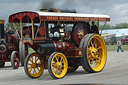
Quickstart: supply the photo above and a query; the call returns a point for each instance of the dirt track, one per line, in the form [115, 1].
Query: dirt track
[115, 72]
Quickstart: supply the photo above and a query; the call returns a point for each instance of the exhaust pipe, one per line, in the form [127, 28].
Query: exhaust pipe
[2, 29]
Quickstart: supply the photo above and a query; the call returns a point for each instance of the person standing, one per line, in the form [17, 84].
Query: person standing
[10, 32]
[119, 45]
[94, 28]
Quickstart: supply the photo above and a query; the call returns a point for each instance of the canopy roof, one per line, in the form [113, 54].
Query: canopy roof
[36, 16]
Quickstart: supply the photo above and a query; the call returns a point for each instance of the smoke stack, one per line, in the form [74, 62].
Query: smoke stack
[58, 10]
[2, 28]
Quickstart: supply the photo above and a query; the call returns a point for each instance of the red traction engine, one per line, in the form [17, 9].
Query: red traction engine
[8, 48]
[61, 42]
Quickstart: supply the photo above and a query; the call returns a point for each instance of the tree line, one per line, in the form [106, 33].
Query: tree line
[117, 26]
[107, 26]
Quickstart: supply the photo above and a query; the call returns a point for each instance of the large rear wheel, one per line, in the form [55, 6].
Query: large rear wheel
[95, 53]
[57, 65]
[33, 65]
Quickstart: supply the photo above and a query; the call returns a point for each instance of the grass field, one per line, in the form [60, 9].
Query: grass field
[114, 47]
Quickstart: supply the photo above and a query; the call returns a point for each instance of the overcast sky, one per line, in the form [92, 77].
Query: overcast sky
[116, 9]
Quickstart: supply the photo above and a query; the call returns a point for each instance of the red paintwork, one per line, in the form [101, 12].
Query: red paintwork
[74, 52]
[42, 31]
[12, 47]
[17, 17]
[4, 48]
[78, 27]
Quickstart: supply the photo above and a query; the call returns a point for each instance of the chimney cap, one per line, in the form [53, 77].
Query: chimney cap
[2, 21]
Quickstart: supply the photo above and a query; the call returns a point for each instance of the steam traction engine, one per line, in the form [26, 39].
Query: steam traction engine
[8, 48]
[61, 42]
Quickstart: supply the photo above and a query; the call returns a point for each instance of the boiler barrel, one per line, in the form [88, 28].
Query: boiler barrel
[2, 28]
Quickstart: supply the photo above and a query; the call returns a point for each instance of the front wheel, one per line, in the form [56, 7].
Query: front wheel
[95, 53]
[15, 60]
[57, 65]
[33, 65]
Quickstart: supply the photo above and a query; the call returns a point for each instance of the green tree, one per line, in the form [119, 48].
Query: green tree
[17, 25]
[107, 26]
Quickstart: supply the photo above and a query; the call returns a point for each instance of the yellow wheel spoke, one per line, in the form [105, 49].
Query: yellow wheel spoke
[56, 59]
[30, 60]
[94, 42]
[38, 69]
[61, 59]
[60, 70]
[30, 69]
[89, 56]
[34, 71]
[37, 59]
[56, 72]
[29, 64]
[99, 48]
[96, 45]
[91, 44]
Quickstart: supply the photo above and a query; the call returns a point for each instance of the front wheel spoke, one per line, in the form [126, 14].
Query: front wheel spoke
[30, 60]
[56, 59]
[34, 72]
[30, 69]
[37, 59]
[89, 56]
[29, 64]
[38, 69]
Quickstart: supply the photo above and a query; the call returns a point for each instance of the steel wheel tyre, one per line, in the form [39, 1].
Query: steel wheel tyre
[95, 53]
[15, 60]
[57, 65]
[33, 65]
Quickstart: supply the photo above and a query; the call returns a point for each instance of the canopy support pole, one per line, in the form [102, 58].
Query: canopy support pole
[98, 25]
[103, 27]
[16, 30]
[32, 30]
[45, 27]
[37, 29]
[21, 30]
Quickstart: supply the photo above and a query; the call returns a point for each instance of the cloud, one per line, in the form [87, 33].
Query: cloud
[116, 9]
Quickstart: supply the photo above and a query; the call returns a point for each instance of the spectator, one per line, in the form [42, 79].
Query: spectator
[119, 45]
[94, 28]
[10, 32]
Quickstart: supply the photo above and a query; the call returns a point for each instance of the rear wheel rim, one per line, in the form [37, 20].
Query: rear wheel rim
[96, 53]
[32, 68]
